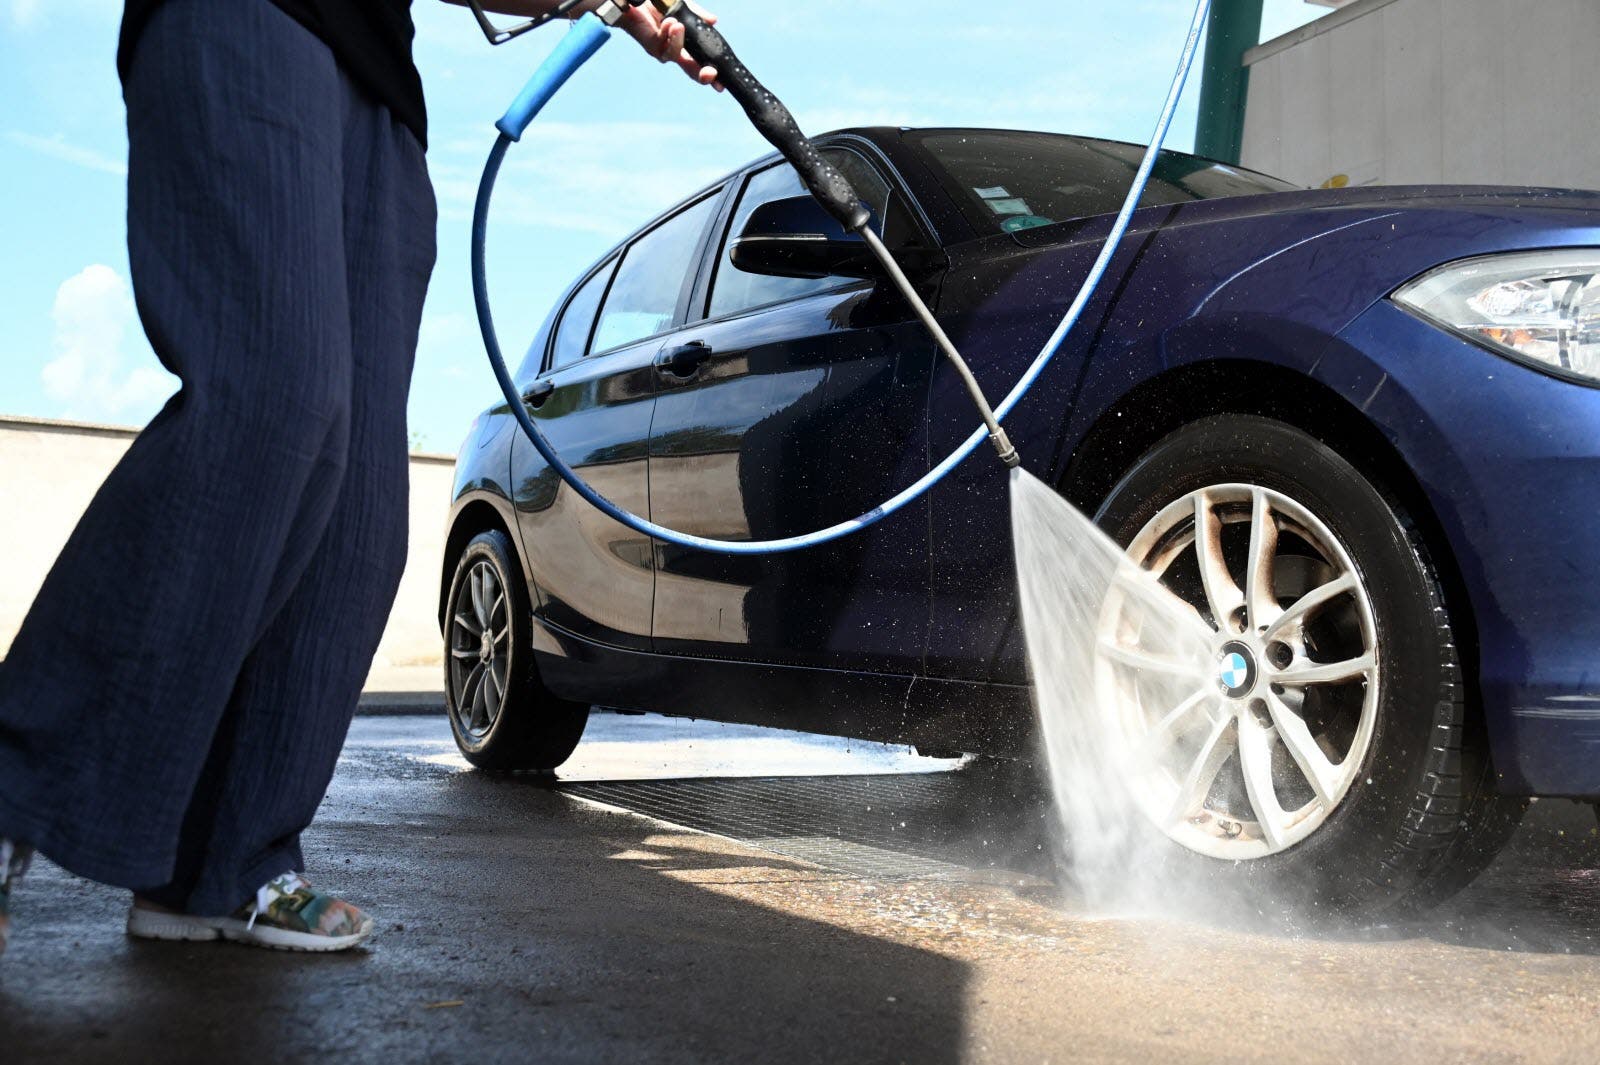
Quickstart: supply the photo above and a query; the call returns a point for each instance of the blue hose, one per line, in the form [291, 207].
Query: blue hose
[580, 44]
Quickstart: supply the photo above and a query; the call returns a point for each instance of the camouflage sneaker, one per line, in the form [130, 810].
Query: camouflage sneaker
[14, 859]
[288, 914]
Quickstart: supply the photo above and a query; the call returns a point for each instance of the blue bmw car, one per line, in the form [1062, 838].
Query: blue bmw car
[1357, 430]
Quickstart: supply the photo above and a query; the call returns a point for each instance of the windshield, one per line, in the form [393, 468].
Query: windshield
[1008, 181]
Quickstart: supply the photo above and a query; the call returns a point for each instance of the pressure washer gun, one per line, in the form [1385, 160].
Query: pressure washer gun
[771, 119]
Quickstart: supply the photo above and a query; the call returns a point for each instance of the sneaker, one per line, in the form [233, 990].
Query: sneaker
[14, 859]
[288, 914]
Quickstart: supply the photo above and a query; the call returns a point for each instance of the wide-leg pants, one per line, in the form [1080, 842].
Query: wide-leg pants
[173, 707]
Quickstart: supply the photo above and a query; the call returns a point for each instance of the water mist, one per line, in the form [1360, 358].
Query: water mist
[1121, 666]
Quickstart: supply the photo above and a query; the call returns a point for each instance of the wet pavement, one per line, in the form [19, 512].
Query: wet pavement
[699, 892]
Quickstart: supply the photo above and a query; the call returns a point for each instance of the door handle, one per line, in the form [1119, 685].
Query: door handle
[538, 392]
[683, 362]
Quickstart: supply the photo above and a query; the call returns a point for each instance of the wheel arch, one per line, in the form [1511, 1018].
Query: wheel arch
[1155, 408]
[475, 515]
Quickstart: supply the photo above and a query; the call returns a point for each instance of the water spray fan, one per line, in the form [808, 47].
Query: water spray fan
[832, 190]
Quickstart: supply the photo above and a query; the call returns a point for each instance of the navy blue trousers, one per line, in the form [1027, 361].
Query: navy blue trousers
[172, 708]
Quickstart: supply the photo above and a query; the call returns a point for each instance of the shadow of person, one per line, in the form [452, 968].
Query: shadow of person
[515, 924]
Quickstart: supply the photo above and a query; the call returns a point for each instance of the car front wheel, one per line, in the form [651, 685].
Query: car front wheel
[1333, 751]
[501, 714]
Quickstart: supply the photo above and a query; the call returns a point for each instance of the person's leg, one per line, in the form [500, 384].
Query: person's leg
[294, 699]
[114, 689]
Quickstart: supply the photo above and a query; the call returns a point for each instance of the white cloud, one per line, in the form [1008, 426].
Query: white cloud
[451, 383]
[603, 178]
[23, 12]
[93, 314]
[32, 14]
[446, 341]
[58, 147]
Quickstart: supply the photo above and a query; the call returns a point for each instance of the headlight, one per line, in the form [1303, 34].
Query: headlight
[1540, 307]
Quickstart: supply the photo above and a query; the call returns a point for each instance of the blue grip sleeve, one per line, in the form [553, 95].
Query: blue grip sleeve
[581, 42]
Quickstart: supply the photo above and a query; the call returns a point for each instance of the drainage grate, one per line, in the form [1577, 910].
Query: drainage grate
[928, 826]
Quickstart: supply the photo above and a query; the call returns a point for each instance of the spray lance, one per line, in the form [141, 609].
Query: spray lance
[707, 46]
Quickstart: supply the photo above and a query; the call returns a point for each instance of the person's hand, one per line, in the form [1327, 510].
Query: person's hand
[663, 38]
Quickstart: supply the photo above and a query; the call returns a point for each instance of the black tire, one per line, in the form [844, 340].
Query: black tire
[1422, 817]
[526, 727]
[1486, 824]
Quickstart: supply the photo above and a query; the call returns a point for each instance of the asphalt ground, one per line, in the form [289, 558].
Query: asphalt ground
[699, 892]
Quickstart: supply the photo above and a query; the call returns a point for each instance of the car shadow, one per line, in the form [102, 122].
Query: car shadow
[1541, 895]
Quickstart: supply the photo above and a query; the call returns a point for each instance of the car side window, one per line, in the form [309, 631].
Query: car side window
[733, 289]
[577, 319]
[644, 297]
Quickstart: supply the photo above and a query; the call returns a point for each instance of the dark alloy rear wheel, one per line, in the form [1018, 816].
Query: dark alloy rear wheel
[1334, 761]
[502, 715]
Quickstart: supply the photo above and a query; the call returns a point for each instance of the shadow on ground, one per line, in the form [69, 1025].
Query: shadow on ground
[847, 905]
[1541, 895]
[516, 925]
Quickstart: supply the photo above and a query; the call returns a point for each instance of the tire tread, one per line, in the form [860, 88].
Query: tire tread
[1456, 822]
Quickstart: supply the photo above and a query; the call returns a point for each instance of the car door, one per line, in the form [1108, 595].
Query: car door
[803, 405]
[593, 400]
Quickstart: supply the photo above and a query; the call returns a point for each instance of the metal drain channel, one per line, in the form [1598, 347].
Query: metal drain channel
[889, 827]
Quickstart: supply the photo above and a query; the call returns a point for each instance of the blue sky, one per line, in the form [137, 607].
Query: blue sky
[625, 140]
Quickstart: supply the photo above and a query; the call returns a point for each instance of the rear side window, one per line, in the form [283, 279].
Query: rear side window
[644, 297]
[734, 290]
[577, 321]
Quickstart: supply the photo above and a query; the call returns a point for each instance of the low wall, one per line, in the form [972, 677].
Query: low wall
[49, 472]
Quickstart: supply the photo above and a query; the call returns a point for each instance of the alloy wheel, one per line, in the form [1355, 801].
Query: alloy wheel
[1250, 753]
[480, 650]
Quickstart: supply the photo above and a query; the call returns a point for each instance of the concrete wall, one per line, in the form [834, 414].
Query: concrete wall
[49, 471]
[1426, 91]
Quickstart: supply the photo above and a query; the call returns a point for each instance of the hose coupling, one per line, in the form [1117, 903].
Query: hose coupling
[1002, 444]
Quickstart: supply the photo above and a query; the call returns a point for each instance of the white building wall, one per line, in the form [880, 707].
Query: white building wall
[49, 471]
[1397, 92]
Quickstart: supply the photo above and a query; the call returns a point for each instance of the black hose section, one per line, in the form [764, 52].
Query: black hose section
[771, 118]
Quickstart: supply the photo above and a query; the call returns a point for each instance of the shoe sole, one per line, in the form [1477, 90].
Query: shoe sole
[184, 928]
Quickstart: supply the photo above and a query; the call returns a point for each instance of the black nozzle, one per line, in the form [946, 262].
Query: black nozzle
[771, 119]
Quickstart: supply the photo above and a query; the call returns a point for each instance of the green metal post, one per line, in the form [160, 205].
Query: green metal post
[1232, 29]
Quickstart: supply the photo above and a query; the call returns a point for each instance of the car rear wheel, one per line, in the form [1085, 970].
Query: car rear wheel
[1332, 753]
[501, 714]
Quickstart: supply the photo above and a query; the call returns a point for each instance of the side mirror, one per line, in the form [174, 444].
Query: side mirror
[797, 238]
